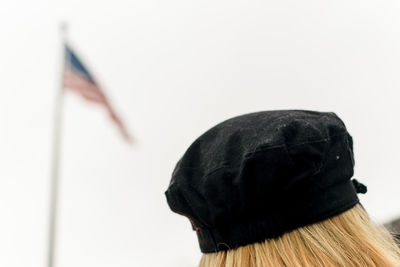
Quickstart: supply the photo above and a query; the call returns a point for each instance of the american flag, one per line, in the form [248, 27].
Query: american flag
[78, 79]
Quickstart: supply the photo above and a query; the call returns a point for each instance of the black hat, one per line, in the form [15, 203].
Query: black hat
[259, 175]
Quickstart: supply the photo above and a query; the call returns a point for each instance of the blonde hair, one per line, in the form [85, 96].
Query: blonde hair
[349, 239]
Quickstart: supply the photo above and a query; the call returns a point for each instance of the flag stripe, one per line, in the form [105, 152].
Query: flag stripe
[78, 79]
[84, 87]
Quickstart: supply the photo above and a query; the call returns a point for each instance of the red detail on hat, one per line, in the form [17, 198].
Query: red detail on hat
[195, 228]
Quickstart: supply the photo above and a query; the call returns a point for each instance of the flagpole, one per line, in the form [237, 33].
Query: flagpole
[55, 160]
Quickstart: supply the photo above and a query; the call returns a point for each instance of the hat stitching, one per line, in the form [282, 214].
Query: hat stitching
[266, 147]
[263, 148]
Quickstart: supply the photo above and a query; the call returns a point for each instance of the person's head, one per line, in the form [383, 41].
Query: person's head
[274, 188]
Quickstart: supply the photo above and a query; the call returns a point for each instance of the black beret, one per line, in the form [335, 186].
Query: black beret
[259, 175]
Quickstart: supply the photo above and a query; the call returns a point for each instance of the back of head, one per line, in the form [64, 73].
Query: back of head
[275, 188]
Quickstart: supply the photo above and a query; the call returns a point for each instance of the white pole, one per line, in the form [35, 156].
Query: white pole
[54, 183]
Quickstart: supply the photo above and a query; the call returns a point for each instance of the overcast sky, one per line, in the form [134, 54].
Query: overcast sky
[172, 70]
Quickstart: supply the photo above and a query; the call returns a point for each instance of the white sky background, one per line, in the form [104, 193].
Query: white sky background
[173, 69]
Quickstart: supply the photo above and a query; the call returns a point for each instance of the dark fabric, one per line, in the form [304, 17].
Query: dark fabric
[259, 175]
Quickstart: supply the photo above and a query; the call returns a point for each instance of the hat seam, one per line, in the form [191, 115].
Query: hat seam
[263, 149]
